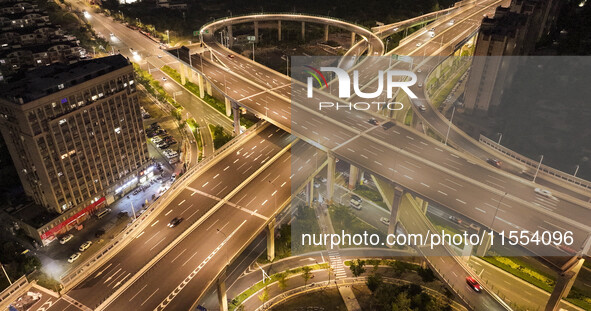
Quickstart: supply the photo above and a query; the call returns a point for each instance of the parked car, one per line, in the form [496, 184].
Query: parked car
[473, 284]
[385, 221]
[454, 219]
[373, 121]
[74, 257]
[66, 238]
[85, 246]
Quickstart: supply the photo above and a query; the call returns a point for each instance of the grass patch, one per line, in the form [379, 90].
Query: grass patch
[371, 194]
[326, 299]
[408, 117]
[43, 279]
[220, 137]
[153, 87]
[194, 127]
[344, 220]
[522, 270]
[274, 278]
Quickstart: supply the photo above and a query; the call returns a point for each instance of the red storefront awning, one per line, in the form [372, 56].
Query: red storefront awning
[60, 226]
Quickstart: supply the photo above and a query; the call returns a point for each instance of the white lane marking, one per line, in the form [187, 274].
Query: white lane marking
[150, 296]
[154, 223]
[183, 201]
[168, 213]
[138, 292]
[455, 156]
[480, 210]
[463, 202]
[424, 184]
[139, 235]
[441, 192]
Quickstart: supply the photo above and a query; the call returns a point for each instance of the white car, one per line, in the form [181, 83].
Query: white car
[419, 44]
[422, 107]
[156, 139]
[385, 221]
[85, 246]
[420, 84]
[544, 192]
[66, 238]
[73, 258]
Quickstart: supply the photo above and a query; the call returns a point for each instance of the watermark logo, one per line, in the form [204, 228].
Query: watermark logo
[344, 82]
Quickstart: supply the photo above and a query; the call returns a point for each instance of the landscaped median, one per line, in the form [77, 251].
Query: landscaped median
[277, 277]
[210, 100]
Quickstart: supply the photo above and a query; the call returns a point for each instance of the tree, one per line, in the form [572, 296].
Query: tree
[357, 267]
[374, 282]
[401, 303]
[282, 281]
[426, 275]
[306, 274]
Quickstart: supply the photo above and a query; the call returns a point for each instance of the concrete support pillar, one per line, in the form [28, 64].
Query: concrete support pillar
[303, 31]
[564, 283]
[423, 204]
[330, 176]
[236, 112]
[256, 32]
[222, 294]
[279, 30]
[230, 36]
[201, 86]
[189, 73]
[325, 33]
[352, 38]
[467, 252]
[398, 193]
[228, 107]
[183, 77]
[353, 177]
[484, 246]
[271, 240]
[208, 88]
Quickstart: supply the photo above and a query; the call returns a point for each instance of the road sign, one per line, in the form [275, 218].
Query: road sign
[196, 33]
[251, 38]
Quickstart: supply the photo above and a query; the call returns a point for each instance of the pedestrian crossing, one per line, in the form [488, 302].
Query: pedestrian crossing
[336, 262]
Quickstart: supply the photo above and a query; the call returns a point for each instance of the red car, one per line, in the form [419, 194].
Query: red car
[231, 55]
[494, 162]
[472, 283]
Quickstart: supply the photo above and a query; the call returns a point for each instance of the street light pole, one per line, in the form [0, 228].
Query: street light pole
[253, 51]
[500, 137]
[538, 169]
[576, 171]
[450, 122]
[6, 274]
[168, 37]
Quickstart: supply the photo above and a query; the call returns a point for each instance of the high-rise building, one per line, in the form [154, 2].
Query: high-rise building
[75, 134]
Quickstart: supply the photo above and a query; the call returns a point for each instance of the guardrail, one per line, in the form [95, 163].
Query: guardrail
[92, 263]
[280, 13]
[10, 293]
[534, 164]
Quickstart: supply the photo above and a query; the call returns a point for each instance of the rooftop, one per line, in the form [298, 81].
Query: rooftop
[43, 81]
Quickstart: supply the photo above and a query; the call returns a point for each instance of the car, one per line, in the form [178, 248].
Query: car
[432, 34]
[494, 162]
[146, 116]
[388, 125]
[432, 29]
[173, 177]
[154, 125]
[112, 34]
[162, 145]
[171, 155]
[419, 44]
[373, 121]
[385, 221]
[159, 56]
[544, 192]
[85, 246]
[66, 238]
[355, 202]
[420, 84]
[422, 107]
[419, 70]
[231, 55]
[452, 21]
[73, 257]
[175, 222]
[455, 219]
[163, 78]
[473, 284]
[156, 139]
